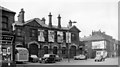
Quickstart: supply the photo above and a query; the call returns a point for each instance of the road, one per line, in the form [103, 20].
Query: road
[108, 61]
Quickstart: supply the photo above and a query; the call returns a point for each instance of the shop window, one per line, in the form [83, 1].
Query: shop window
[5, 23]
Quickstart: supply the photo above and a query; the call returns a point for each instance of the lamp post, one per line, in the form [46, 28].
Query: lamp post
[69, 41]
[68, 46]
[13, 48]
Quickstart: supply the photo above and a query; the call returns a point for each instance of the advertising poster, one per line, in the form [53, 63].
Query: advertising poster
[51, 36]
[41, 35]
[68, 37]
[99, 45]
[59, 36]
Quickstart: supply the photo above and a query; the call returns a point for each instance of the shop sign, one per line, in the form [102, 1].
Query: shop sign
[7, 37]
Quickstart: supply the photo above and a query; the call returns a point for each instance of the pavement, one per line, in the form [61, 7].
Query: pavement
[108, 61]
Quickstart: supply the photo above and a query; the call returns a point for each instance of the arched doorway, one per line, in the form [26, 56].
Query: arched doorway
[72, 51]
[33, 49]
[45, 49]
[81, 50]
[63, 50]
[55, 50]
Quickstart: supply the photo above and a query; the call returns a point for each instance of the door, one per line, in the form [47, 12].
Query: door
[33, 49]
[72, 51]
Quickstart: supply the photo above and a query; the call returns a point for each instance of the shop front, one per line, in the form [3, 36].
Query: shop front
[6, 50]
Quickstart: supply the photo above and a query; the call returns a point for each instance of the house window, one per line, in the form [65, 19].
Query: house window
[19, 32]
[33, 32]
[4, 22]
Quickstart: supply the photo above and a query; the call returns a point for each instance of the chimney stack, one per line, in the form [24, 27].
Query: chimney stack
[43, 19]
[50, 20]
[59, 21]
[21, 16]
[70, 23]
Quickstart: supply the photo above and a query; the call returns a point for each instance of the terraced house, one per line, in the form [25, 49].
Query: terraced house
[41, 38]
[98, 42]
[6, 35]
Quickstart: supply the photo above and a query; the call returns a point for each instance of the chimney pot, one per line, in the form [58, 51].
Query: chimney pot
[59, 21]
[21, 16]
[70, 23]
[50, 19]
[43, 19]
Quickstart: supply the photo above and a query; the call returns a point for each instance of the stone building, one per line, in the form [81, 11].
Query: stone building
[41, 38]
[6, 35]
[100, 41]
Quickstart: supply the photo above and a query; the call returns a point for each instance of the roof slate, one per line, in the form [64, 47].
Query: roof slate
[42, 24]
[5, 9]
[92, 38]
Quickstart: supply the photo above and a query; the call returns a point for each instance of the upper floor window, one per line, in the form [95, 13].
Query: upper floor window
[19, 32]
[4, 22]
[33, 32]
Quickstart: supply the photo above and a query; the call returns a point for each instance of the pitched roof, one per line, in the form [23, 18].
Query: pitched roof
[75, 28]
[5, 9]
[42, 24]
[92, 38]
[38, 20]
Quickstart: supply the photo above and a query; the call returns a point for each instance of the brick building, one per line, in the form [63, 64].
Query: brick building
[99, 41]
[6, 35]
[41, 38]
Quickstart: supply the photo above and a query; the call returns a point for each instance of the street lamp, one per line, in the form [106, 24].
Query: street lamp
[67, 44]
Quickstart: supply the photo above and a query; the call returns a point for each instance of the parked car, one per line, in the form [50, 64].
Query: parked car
[33, 58]
[80, 57]
[57, 58]
[99, 58]
[47, 58]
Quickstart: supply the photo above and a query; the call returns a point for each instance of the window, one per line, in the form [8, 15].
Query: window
[33, 32]
[4, 22]
[19, 32]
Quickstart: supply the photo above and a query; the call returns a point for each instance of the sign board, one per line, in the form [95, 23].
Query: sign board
[99, 45]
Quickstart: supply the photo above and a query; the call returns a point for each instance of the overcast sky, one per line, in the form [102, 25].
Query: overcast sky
[89, 14]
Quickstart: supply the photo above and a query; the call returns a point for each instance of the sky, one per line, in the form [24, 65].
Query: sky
[90, 15]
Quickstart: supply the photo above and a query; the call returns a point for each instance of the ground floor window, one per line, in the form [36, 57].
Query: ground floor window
[45, 49]
[55, 50]
[33, 49]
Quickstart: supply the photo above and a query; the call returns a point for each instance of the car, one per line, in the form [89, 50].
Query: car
[33, 58]
[57, 58]
[80, 57]
[99, 58]
[47, 58]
